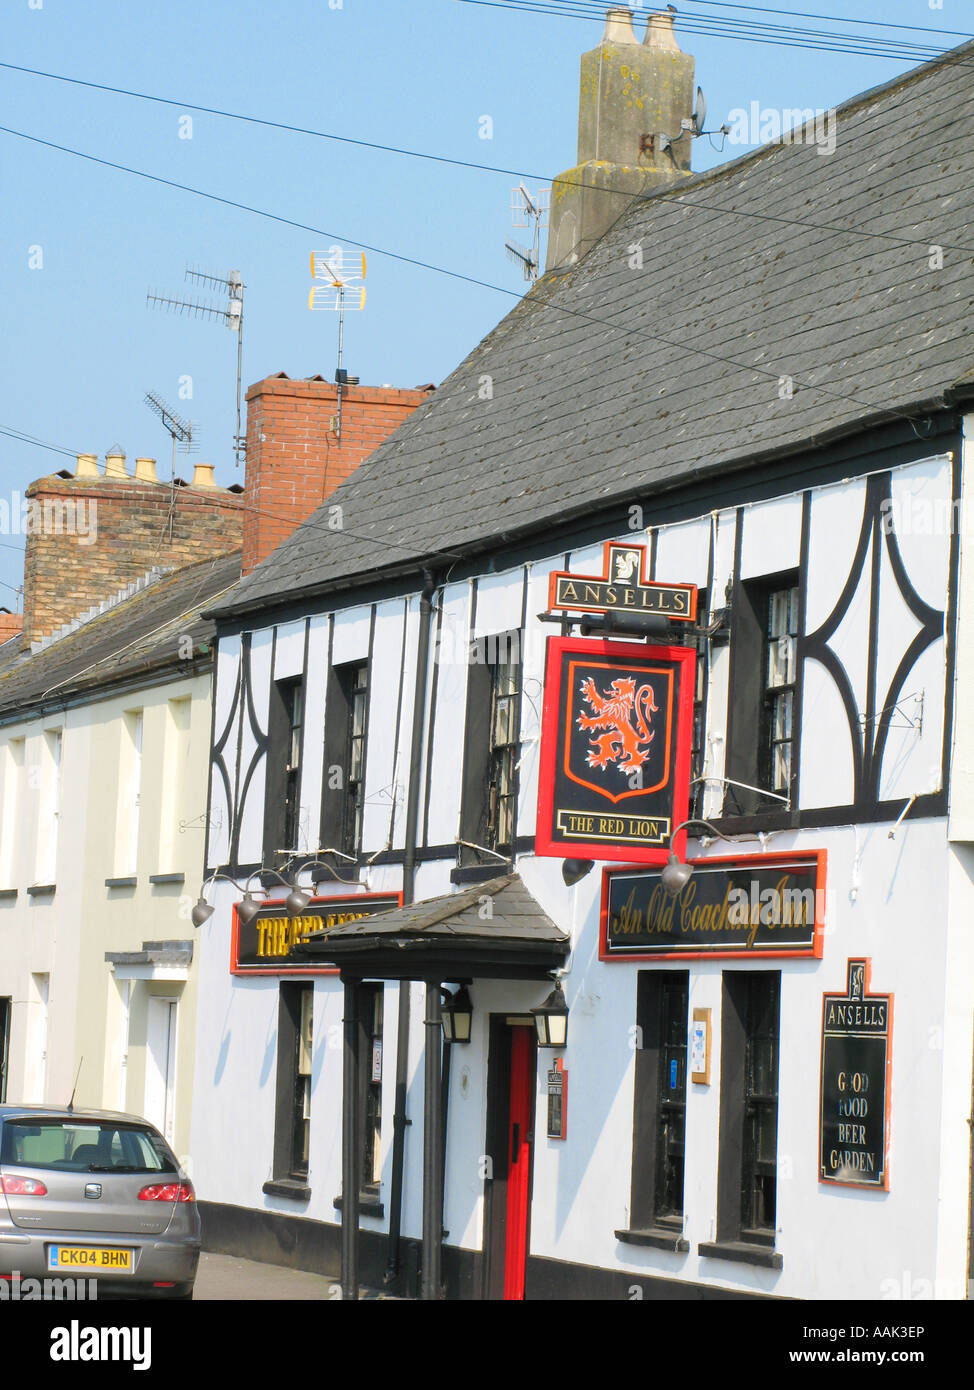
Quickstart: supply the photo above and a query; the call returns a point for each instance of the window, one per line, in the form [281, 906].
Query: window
[292, 1129]
[370, 1007]
[5, 1011]
[491, 748]
[779, 688]
[50, 809]
[758, 1169]
[659, 1117]
[761, 735]
[747, 1168]
[175, 807]
[129, 793]
[294, 709]
[346, 739]
[698, 746]
[282, 806]
[13, 786]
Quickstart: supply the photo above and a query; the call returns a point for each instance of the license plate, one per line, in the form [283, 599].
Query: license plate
[89, 1257]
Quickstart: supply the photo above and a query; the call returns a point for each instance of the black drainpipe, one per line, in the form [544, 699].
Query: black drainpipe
[400, 1120]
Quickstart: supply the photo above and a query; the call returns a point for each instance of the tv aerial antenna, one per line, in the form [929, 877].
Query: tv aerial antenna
[528, 211]
[338, 277]
[230, 314]
[182, 432]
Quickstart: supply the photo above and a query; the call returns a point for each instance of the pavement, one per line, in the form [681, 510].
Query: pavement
[227, 1278]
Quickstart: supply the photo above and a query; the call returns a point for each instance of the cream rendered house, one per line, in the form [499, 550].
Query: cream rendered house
[104, 732]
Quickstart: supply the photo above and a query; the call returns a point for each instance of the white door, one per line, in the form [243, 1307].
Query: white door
[160, 1065]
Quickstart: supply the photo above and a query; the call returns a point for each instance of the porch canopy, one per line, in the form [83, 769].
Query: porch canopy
[492, 930]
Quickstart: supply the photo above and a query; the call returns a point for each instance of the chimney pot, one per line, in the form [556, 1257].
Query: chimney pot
[659, 32]
[203, 475]
[115, 466]
[145, 470]
[618, 26]
[87, 466]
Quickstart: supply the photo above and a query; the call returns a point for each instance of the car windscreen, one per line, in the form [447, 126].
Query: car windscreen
[83, 1146]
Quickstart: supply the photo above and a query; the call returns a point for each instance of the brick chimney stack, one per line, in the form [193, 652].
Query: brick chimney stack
[294, 459]
[633, 100]
[91, 534]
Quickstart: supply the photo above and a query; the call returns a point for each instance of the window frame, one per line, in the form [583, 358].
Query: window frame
[736, 1162]
[490, 766]
[343, 807]
[748, 718]
[283, 780]
[294, 1084]
[653, 1220]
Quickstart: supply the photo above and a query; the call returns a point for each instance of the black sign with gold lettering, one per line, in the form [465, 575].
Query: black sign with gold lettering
[622, 587]
[855, 1090]
[765, 905]
[615, 749]
[266, 945]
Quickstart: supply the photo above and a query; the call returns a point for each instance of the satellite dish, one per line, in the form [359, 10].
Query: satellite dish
[699, 113]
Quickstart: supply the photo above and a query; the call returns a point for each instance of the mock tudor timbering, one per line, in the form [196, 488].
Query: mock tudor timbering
[380, 691]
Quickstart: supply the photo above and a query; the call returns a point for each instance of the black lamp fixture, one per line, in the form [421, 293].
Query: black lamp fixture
[202, 911]
[574, 870]
[678, 873]
[456, 1016]
[551, 1019]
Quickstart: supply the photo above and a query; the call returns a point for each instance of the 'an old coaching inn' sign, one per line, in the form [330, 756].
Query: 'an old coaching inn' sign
[267, 945]
[622, 587]
[765, 905]
[614, 770]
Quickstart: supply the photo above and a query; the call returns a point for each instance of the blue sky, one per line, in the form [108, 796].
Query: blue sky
[79, 347]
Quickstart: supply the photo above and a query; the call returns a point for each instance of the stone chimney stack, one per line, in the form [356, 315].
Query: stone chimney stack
[633, 100]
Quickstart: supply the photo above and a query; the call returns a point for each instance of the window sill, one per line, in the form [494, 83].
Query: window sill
[167, 878]
[368, 1205]
[741, 1253]
[42, 890]
[126, 881]
[287, 1187]
[658, 1237]
[8, 895]
[481, 873]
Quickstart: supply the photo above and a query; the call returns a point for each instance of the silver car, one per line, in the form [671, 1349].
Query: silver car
[90, 1194]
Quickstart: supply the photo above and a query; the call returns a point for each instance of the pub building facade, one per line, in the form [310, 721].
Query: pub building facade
[627, 700]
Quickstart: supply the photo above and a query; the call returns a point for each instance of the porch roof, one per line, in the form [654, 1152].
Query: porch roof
[495, 929]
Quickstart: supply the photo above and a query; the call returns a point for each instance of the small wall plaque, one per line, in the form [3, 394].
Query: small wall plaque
[700, 1047]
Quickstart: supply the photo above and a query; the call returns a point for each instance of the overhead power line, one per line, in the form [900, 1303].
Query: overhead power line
[536, 298]
[750, 31]
[677, 198]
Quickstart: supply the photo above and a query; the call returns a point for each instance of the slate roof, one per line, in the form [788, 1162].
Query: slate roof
[610, 383]
[451, 932]
[514, 914]
[134, 638]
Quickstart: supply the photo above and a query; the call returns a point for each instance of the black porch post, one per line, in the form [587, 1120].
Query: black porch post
[432, 1148]
[350, 1145]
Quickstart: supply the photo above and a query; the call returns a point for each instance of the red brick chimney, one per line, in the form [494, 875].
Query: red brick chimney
[10, 624]
[294, 456]
[91, 534]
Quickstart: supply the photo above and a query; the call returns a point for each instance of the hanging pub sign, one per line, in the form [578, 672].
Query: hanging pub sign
[855, 1088]
[267, 944]
[622, 587]
[614, 773]
[761, 905]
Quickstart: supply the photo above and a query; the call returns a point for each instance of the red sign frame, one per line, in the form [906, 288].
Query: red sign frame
[818, 857]
[554, 759]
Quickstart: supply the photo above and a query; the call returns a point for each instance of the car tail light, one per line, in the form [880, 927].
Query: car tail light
[168, 1192]
[22, 1187]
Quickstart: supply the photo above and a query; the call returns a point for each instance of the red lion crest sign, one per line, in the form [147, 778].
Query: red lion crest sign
[615, 749]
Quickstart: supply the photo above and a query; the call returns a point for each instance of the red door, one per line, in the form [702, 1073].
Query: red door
[519, 1140]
